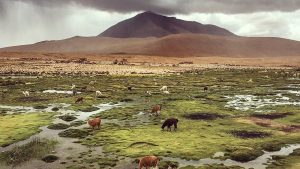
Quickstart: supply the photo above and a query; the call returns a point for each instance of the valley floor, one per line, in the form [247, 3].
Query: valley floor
[58, 63]
[248, 118]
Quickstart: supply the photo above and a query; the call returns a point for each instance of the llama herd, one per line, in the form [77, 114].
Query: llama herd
[147, 161]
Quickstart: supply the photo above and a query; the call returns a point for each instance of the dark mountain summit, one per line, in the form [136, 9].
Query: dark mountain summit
[149, 24]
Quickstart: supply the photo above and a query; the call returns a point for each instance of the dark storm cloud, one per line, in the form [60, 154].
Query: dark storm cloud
[179, 6]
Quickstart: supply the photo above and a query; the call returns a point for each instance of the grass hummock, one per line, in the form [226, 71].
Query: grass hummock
[35, 149]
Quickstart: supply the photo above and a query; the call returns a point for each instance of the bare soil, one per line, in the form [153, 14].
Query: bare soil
[76, 63]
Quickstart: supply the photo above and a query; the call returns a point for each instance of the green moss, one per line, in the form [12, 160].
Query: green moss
[245, 155]
[201, 138]
[18, 127]
[67, 117]
[89, 109]
[273, 146]
[167, 164]
[77, 123]
[39, 107]
[195, 138]
[58, 126]
[74, 133]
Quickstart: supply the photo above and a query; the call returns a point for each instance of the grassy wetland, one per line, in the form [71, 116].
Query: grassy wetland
[246, 118]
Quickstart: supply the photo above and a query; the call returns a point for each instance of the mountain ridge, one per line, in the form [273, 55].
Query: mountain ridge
[149, 24]
[179, 45]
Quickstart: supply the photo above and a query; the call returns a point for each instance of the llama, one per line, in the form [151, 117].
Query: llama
[26, 93]
[205, 88]
[98, 93]
[164, 88]
[79, 100]
[156, 110]
[166, 92]
[170, 122]
[95, 122]
[73, 86]
[92, 82]
[149, 93]
[149, 161]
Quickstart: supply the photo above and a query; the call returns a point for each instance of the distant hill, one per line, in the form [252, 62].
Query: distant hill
[173, 45]
[149, 24]
[152, 34]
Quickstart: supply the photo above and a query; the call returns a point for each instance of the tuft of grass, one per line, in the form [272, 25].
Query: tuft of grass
[67, 117]
[35, 149]
[58, 126]
[88, 109]
[245, 155]
[39, 107]
[74, 133]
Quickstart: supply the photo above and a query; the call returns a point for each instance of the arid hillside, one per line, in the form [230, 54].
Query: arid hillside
[180, 45]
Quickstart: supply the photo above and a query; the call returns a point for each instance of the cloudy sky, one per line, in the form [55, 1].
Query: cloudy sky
[30, 21]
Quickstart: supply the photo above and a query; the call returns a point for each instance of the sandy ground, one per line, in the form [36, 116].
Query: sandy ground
[59, 63]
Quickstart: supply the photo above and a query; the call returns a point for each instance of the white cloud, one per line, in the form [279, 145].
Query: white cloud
[270, 24]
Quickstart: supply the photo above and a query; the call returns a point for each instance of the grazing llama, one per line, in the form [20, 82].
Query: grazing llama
[166, 92]
[95, 122]
[205, 88]
[79, 100]
[170, 122]
[73, 86]
[149, 161]
[26, 93]
[156, 110]
[164, 88]
[149, 93]
[98, 93]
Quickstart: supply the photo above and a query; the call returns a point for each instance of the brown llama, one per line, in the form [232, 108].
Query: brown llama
[156, 110]
[79, 100]
[95, 122]
[148, 161]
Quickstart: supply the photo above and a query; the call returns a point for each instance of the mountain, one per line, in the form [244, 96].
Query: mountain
[149, 24]
[152, 34]
[181, 45]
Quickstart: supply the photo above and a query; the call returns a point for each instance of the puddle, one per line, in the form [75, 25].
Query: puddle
[102, 107]
[294, 86]
[27, 109]
[59, 92]
[251, 102]
[291, 89]
[259, 163]
[267, 85]
[297, 93]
